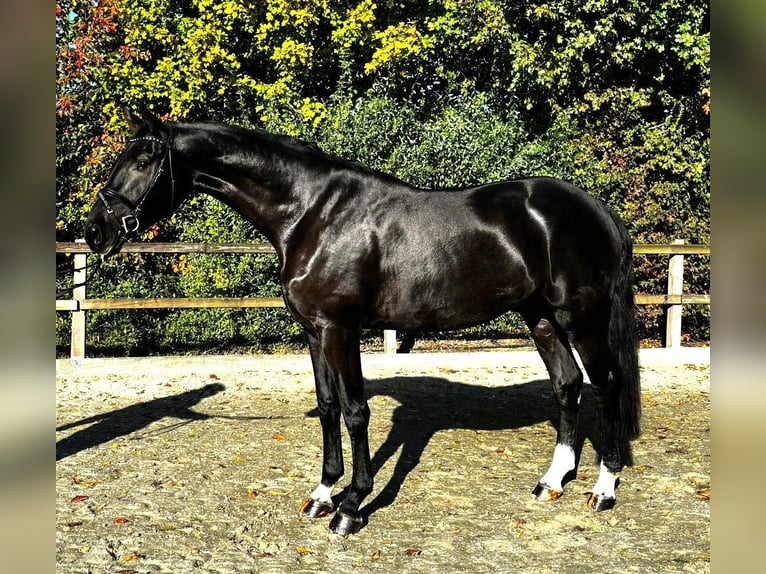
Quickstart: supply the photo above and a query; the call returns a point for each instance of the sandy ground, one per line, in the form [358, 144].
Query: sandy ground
[200, 464]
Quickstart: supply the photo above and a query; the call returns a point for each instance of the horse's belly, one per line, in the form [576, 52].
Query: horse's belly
[430, 299]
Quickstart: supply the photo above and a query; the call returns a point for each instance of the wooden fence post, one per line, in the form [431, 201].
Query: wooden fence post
[675, 287]
[77, 349]
[389, 342]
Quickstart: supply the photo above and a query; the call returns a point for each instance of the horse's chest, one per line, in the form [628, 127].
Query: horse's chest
[330, 282]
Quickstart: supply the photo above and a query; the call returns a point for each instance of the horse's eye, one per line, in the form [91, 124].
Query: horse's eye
[142, 164]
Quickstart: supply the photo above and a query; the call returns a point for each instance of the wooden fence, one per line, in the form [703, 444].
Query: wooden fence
[79, 304]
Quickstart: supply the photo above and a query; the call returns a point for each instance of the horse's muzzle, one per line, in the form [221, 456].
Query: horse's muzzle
[100, 241]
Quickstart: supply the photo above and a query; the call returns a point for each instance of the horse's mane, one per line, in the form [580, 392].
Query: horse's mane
[292, 146]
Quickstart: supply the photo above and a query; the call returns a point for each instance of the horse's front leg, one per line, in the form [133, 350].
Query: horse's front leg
[339, 350]
[320, 502]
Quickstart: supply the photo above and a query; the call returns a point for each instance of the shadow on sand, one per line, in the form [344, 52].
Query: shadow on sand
[107, 426]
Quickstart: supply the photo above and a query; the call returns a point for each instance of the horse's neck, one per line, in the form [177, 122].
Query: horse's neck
[259, 184]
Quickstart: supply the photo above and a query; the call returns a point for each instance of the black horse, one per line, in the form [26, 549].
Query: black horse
[361, 249]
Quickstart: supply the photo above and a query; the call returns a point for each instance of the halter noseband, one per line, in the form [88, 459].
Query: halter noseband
[130, 222]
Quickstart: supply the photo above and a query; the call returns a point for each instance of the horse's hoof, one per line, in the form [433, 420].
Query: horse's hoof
[543, 492]
[315, 508]
[344, 524]
[599, 502]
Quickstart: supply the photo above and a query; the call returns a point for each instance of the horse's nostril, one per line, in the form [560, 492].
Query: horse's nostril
[93, 235]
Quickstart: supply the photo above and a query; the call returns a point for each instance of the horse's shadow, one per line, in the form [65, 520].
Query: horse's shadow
[428, 405]
[107, 426]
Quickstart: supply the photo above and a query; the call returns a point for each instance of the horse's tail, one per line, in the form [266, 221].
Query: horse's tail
[623, 338]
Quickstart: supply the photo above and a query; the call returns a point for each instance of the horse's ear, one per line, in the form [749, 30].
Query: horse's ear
[144, 118]
[134, 121]
[154, 123]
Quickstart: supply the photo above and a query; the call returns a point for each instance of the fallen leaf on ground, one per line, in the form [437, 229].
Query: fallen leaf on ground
[304, 550]
[413, 552]
[703, 494]
[80, 498]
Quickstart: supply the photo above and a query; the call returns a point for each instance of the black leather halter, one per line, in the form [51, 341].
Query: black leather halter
[131, 222]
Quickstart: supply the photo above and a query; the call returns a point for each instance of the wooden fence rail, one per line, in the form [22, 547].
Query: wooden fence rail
[673, 299]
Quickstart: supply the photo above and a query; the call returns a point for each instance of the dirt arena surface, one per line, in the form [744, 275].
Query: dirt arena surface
[200, 464]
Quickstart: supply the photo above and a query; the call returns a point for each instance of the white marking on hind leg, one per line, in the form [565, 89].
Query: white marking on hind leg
[606, 483]
[563, 463]
[323, 493]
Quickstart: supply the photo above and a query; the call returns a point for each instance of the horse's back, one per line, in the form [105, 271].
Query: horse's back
[449, 259]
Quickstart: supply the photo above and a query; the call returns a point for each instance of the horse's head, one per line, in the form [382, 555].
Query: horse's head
[140, 190]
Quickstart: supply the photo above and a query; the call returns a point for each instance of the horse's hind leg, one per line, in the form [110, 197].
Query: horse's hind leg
[553, 346]
[615, 448]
